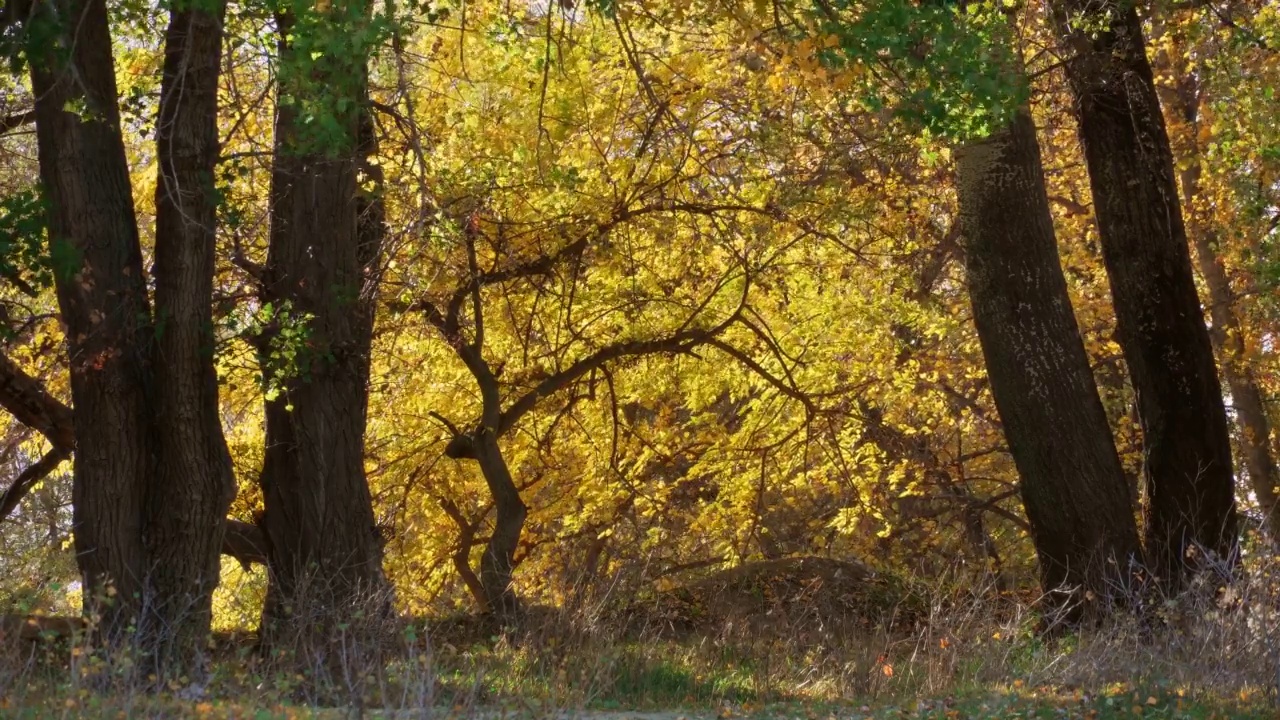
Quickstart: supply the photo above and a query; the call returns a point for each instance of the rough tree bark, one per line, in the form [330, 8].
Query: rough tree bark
[151, 479]
[1072, 483]
[193, 485]
[93, 237]
[1190, 500]
[325, 238]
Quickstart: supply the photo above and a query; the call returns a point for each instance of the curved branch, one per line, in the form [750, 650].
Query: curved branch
[28, 478]
[538, 267]
[680, 342]
[462, 553]
[31, 404]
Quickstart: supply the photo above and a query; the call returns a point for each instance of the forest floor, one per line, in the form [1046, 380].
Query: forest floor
[664, 680]
[1116, 702]
[1047, 704]
[794, 645]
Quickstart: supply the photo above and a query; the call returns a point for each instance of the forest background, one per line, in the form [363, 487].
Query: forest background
[503, 305]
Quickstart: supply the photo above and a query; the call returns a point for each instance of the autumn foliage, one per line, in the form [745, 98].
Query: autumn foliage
[482, 306]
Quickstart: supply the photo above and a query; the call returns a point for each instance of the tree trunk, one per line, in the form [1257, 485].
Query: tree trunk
[499, 554]
[152, 474]
[1072, 483]
[325, 550]
[93, 238]
[1190, 501]
[194, 484]
[24, 397]
[1228, 335]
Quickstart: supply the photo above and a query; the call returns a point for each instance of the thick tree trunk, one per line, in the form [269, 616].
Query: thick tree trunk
[152, 474]
[1190, 501]
[194, 484]
[1246, 395]
[93, 238]
[1072, 483]
[325, 550]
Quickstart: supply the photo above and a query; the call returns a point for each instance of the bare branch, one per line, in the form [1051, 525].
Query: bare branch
[1072, 207]
[477, 304]
[680, 342]
[9, 123]
[254, 270]
[435, 318]
[28, 478]
[453, 429]
[541, 266]
[245, 542]
[545, 264]
[26, 398]
[755, 367]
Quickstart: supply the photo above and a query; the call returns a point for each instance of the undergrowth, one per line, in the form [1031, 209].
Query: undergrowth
[965, 654]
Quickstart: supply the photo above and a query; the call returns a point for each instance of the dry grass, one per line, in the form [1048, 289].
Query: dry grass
[963, 649]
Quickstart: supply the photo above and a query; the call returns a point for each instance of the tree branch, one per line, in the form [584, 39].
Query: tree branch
[28, 478]
[26, 398]
[541, 266]
[1072, 207]
[244, 542]
[682, 341]
[9, 123]
[755, 367]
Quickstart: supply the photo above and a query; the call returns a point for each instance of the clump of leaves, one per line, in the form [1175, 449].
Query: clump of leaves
[951, 69]
[23, 259]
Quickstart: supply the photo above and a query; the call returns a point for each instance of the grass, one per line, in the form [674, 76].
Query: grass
[974, 656]
[694, 679]
[1005, 704]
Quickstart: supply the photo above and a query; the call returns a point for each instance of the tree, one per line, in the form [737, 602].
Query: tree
[1227, 332]
[478, 440]
[152, 475]
[193, 484]
[103, 299]
[1191, 135]
[1187, 471]
[1072, 485]
[967, 83]
[320, 276]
